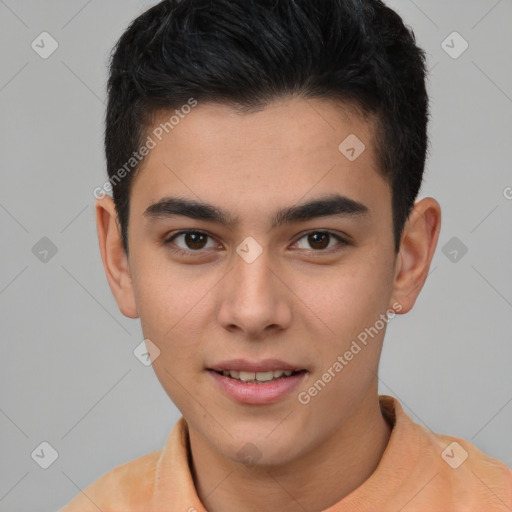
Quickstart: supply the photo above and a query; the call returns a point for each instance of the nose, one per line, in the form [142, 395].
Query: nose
[254, 300]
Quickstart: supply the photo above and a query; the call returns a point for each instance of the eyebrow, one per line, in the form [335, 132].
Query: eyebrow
[332, 205]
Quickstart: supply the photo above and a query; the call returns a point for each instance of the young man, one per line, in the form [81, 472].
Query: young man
[265, 157]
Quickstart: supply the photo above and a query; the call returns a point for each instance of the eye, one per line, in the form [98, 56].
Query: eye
[192, 242]
[320, 241]
[189, 241]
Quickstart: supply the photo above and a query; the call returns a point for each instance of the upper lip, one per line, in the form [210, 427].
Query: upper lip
[264, 365]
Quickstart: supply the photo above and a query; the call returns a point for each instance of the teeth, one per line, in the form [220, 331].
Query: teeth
[245, 376]
[256, 376]
[264, 376]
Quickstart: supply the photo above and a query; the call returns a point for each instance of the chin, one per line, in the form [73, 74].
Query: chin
[261, 450]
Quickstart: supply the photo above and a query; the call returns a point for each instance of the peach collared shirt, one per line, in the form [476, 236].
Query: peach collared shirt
[419, 472]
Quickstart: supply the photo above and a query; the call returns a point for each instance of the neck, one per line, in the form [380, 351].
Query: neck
[316, 481]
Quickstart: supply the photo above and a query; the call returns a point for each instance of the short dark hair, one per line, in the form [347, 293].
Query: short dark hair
[246, 53]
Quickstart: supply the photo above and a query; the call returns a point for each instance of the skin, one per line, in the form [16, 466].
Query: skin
[294, 302]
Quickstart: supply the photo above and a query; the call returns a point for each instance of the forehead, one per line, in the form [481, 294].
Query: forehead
[290, 149]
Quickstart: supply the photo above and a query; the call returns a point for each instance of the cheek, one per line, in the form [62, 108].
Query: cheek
[164, 292]
[174, 305]
[167, 305]
[347, 299]
[350, 332]
[163, 300]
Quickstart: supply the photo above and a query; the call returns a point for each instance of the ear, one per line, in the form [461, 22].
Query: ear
[419, 241]
[115, 260]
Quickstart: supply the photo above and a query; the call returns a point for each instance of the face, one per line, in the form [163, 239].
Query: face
[259, 282]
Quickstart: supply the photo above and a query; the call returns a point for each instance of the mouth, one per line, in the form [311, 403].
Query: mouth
[257, 382]
[258, 377]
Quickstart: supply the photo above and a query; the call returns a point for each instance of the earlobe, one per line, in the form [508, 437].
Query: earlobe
[115, 260]
[418, 244]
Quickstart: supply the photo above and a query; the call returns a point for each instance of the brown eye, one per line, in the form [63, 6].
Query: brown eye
[191, 241]
[319, 241]
[195, 240]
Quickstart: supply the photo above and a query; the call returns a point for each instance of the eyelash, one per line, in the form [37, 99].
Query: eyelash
[191, 253]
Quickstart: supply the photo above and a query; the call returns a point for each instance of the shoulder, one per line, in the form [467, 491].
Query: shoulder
[458, 452]
[470, 474]
[459, 475]
[127, 485]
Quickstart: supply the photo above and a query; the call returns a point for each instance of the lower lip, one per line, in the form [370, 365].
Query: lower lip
[264, 393]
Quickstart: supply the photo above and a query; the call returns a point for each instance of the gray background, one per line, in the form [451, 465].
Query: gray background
[68, 373]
